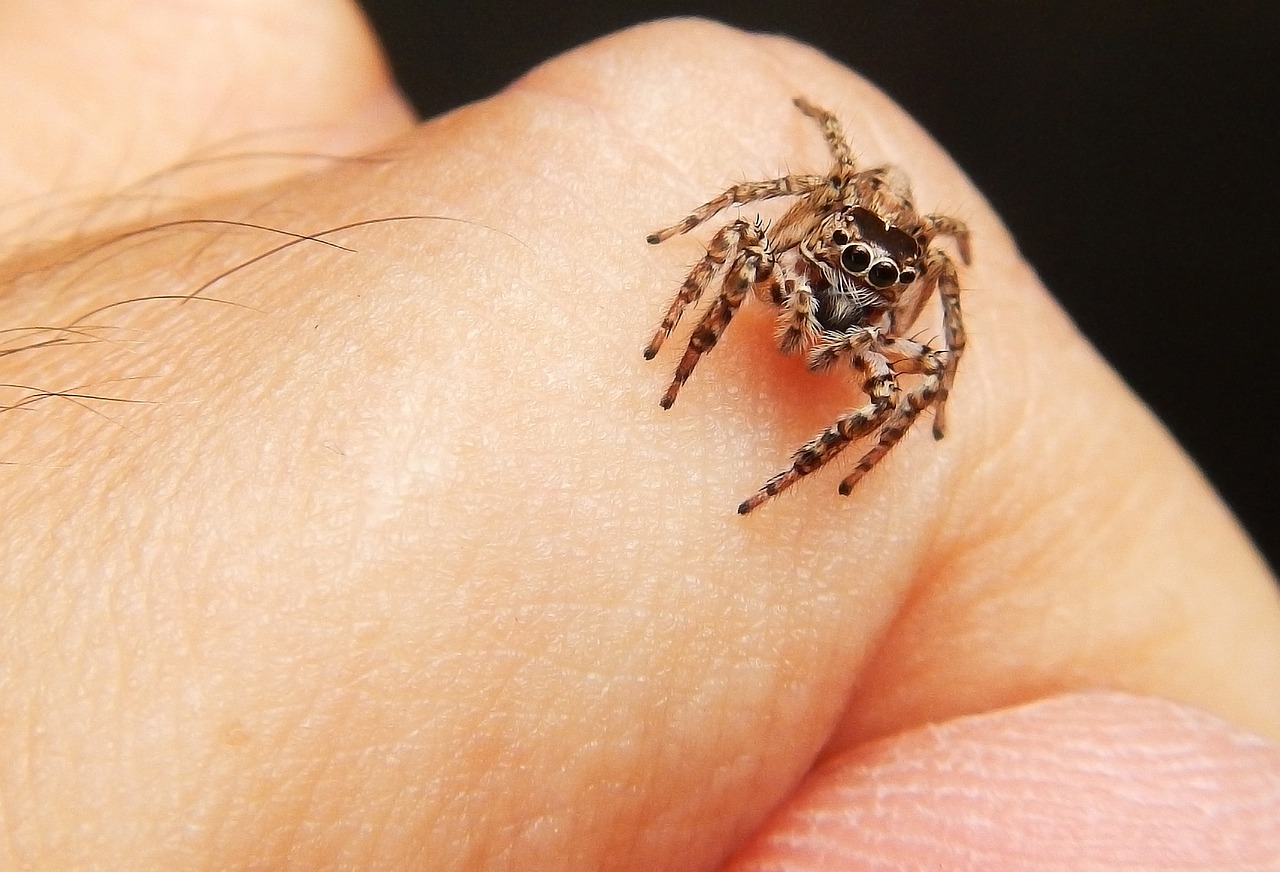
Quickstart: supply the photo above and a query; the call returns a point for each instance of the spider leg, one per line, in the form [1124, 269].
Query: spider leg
[904, 412]
[952, 335]
[753, 267]
[882, 392]
[906, 311]
[848, 344]
[911, 356]
[940, 275]
[910, 302]
[948, 226]
[721, 245]
[831, 131]
[746, 192]
[797, 321]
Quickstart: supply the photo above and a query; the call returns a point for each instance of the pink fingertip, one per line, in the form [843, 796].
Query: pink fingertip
[1087, 782]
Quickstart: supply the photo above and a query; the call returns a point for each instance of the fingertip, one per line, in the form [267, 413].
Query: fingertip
[1096, 781]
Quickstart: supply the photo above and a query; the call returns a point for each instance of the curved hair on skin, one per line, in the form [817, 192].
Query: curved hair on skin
[66, 265]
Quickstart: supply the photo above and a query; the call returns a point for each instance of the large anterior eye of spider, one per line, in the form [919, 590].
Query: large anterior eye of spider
[883, 274]
[856, 258]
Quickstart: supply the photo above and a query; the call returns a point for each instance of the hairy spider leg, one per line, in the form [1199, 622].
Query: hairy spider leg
[831, 346]
[696, 282]
[752, 268]
[953, 335]
[746, 192]
[831, 131]
[881, 392]
[906, 310]
[797, 319]
[945, 225]
[901, 417]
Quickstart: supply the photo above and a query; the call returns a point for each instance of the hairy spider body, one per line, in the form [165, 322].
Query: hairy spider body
[849, 267]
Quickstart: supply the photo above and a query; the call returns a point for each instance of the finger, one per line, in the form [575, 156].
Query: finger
[406, 548]
[1057, 539]
[102, 96]
[1101, 782]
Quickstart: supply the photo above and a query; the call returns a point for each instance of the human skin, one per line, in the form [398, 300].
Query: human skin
[388, 558]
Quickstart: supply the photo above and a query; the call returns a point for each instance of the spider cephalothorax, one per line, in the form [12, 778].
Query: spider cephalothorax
[857, 262]
[849, 267]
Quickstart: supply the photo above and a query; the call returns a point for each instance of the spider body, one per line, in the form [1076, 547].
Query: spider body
[849, 268]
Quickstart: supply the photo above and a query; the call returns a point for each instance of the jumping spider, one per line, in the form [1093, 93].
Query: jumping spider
[849, 267]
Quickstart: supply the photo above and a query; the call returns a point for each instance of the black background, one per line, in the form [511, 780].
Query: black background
[1130, 150]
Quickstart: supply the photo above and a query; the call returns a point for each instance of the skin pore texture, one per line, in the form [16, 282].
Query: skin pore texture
[381, 554]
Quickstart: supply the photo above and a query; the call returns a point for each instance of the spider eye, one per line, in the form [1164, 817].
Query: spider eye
[883, 274]
[839, 237]
[856, 258]
[907, 276]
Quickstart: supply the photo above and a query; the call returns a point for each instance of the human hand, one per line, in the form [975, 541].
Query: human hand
[391, 559]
